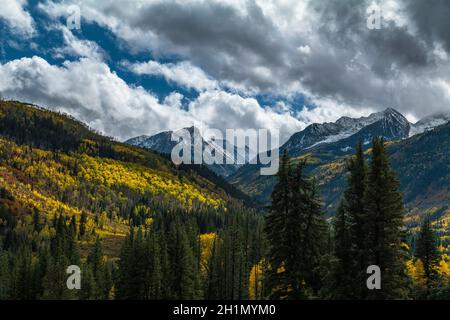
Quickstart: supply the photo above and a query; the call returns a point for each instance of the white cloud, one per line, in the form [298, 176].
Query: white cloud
[328, 110]
[182, 73]
[317, 48]
[280, 47]
[223, 110]
[16, 16]
[174, 100]
[306, 50]
[90, 91]
[77, 47]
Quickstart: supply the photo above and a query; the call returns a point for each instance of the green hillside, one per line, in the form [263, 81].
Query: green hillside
[142, 228]
[69, 195]
[421, 161]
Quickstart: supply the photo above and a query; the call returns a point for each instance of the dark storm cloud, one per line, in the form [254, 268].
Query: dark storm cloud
[322, 49]
[358, 66]
[396, 45]
[344, 61]
[432, 18]
[219, 38]
[232, 46]
[343, 25]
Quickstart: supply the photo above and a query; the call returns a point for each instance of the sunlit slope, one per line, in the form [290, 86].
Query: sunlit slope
[55, 165]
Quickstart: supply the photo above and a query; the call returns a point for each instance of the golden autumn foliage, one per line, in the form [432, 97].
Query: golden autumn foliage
[416, 272]
[330, 170]
[206, 246]
[42, 168]
[255, 282]
[69, 183]
[444, 268]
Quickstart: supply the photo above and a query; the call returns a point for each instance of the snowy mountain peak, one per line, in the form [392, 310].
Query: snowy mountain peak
[393, 115]
[429, 123]
[316, 134]
[137, 140]
[162, 142]
[388, 123]
[391, 111]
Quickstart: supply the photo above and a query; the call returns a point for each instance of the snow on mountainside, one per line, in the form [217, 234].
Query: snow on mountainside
[429, 123]
[422, 163]
[326, 133]
[162, 142]
[391, 126]
[340, 136]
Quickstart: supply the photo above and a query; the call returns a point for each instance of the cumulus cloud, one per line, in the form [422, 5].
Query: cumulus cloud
[182, 73]
[18, 19]
[225, 110]
[321, 49]
[90, 91]
[232, 41]
[74, 46]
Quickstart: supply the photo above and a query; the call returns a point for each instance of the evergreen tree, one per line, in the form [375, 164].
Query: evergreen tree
[101, 275]
[351, 233]
[23, 272]
[314, 239]
[384, 220]
[83, 221]
[154, 274]
[40, 271]
[296, 232]
[304, 236]
[183, 271]
[214, 281]
[342, 273]
[89, 290]
[427, 252]
[54, 282]
[276, 221]
[36, 221]
[125, 284]
[5, 275]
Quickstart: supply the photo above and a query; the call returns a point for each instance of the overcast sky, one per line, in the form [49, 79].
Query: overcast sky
[140, 67]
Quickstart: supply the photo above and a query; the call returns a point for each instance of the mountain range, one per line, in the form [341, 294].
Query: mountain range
[163, 143]
[419, 153]
[340, 137]
[345, 132]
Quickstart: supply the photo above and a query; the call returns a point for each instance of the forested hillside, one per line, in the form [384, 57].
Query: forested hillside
[422, 163]
[71, 196]
[141, 228]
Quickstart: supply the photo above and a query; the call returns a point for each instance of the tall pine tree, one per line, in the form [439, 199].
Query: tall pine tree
[384, 220]
[296, 231]
[276, 222]
[427, 252]
[351, 234]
